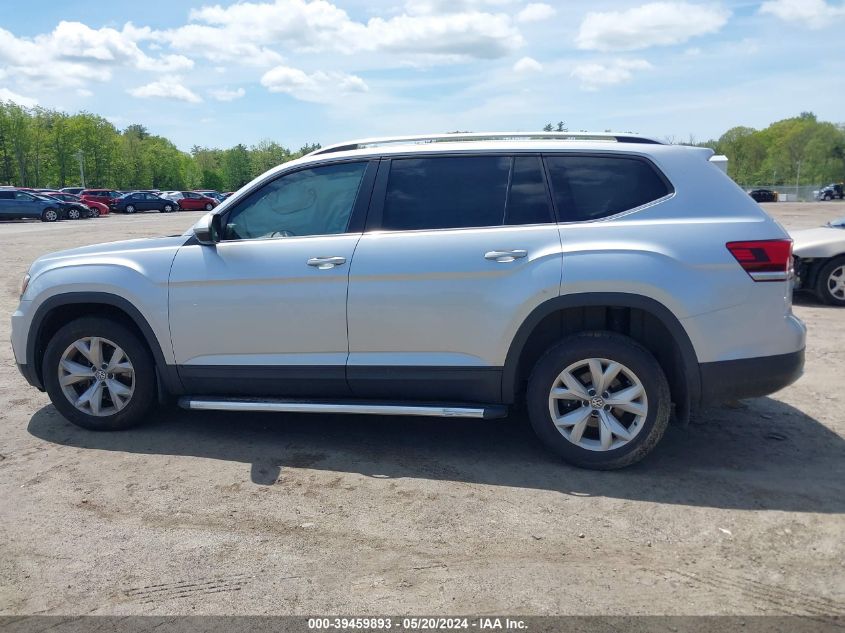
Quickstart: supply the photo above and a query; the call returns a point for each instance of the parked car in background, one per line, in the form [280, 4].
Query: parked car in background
[820, 261]
[74, 190]
[16, 204]
[831, 192]
[193, 201]
[143, 201]
[210, 193]
[227, 194]
[96, 209]
[103, 196]
[763, 195]
[73, 210]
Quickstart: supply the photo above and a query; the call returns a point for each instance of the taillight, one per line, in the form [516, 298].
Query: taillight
[764, 260]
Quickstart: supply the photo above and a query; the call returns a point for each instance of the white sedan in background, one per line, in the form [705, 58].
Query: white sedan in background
[820, 261]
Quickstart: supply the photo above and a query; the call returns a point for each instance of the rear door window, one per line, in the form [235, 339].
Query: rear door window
[592, 187]
[446, 192]
[528, 197]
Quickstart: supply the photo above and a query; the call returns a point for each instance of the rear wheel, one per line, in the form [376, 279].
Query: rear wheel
[99, 374]
[49, 215]
[830, 284]
[130, 208]
[599, 400]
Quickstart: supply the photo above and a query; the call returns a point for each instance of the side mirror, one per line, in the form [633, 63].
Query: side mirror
[207, 230]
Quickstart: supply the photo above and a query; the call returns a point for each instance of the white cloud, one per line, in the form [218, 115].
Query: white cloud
[320, 87]
[8, 95]
[527, 65]
[73, 54]
[593, 75]
[82, 92]
[535, 12]
[224, 94]
[165, 88]
[653, 24]
[815, 14]
[251, 32]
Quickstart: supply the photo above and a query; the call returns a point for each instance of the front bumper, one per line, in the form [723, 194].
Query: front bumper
[728, 380]
[28, 372]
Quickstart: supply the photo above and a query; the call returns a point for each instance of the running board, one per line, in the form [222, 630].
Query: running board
[272, 405]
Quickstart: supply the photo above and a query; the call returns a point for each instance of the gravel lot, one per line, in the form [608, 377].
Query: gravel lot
[739, 513]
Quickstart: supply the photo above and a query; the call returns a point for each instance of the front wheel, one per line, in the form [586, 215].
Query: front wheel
[168, 208]
[599, 400]
[49, 215]
[73, 214]
[208, 206]
[830, 286]
[95, 213]
[99, 374]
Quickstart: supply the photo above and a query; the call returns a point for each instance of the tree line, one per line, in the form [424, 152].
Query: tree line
[40, 147]
[799, 150]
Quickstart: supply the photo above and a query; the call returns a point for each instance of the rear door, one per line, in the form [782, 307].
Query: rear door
[459, 250]
[8, 205]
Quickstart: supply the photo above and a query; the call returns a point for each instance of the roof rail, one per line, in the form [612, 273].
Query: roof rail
[484, 136]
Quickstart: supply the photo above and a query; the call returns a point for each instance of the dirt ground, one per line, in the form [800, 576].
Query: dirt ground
[739, 513]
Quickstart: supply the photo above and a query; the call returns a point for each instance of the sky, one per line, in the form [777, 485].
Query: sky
[300, 71]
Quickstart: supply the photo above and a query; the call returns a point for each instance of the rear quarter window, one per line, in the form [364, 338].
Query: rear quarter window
[593, 187]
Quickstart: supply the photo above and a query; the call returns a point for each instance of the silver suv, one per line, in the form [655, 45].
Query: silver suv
[609, 283]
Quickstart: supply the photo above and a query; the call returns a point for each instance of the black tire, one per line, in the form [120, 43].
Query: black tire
[95, 213]
[74, 214]
[208, 206]
[49, 215]
[168, 208]
[828, 197]
[130, 208]
[144, 395]
[602, 345]
[823, 291]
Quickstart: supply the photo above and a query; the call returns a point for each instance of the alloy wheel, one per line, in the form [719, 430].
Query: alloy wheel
[96, 376]
[836, 283]
[598, 404]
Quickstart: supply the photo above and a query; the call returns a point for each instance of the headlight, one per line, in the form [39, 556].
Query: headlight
[24, 284]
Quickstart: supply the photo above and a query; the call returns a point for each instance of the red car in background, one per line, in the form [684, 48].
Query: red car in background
[97, 207]
[103, 196]
[191, 200]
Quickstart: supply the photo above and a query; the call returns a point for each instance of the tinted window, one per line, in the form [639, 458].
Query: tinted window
[443, 193]
[314, 201]
[528, 200]
[7, 195]
[589, 187]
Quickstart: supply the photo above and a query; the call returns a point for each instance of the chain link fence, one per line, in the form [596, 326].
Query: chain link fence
[789, 193]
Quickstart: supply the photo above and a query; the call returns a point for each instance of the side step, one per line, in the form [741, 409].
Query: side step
[273, 405]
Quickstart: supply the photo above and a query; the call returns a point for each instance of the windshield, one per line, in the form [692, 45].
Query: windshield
[837, 224]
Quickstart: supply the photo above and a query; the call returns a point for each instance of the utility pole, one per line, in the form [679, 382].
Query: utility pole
[797, 180]
[79, 157]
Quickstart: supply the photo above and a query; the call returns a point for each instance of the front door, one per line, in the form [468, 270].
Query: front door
[263, 311]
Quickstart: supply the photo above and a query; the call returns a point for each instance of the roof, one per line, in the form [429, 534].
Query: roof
[506, 139]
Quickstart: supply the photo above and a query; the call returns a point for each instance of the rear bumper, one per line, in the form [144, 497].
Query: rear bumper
[728, 380]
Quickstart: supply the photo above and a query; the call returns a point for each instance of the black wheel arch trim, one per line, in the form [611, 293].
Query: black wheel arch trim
[167, 374]
[510, 376]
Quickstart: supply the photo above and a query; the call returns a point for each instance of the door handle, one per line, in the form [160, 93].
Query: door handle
[324, 263]
[505, 256]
